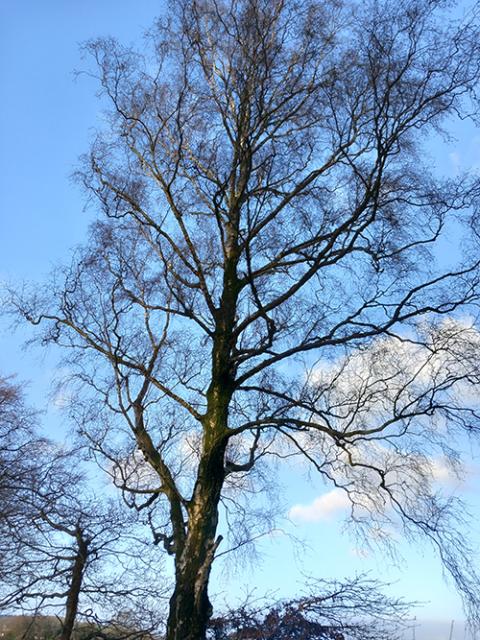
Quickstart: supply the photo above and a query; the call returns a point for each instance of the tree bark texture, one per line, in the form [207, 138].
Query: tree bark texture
[75, 587]
[190, 607]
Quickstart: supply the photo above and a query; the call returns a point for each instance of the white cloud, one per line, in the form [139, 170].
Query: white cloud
[382, 395]
[324, 507]
[442, 472]
[135, 471]
[370, 386]
[62, 399]
[61, 393]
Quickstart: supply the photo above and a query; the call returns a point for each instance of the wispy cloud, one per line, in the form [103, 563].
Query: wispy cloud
[325, 507]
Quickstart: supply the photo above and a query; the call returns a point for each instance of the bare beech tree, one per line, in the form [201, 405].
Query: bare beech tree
[266, 279]
[64, 550]
[75, 555]
[19, 449]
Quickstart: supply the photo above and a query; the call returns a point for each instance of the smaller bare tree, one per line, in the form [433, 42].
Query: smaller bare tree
[65, 550]
[19, 450]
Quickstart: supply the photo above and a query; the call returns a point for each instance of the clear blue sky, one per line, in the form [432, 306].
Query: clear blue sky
[46, 120]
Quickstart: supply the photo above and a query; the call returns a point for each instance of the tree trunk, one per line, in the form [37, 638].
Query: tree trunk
[190, 608]
[71, 607]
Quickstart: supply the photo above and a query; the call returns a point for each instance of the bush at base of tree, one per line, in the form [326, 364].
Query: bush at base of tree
[355, 609]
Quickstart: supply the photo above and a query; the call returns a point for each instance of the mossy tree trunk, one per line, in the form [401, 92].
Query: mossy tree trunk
[190, 607]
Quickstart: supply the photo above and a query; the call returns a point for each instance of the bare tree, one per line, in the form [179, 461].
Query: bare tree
[20, 450]
[63, 550]
[266, 279]
[78, 556]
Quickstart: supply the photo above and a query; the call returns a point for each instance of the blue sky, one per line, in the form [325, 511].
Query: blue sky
[46, 120]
